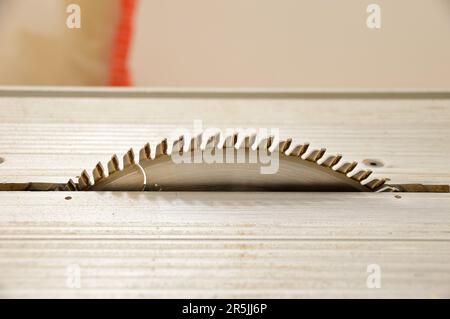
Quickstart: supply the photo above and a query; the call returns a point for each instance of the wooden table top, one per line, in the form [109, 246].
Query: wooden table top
[222, 244]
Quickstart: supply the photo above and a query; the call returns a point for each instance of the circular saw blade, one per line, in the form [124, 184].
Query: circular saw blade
[229, 168]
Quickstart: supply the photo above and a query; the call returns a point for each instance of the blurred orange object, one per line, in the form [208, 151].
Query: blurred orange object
[119, 72]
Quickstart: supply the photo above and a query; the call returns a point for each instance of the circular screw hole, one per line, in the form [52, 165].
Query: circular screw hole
[68, 198]
[373, 163]
[2, 160]
[397, 196]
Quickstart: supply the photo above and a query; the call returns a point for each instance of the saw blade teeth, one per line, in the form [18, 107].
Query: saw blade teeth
[145, 153]
[178, 145]
[196, 142]
[98, 172]
[161, 148]
[266, 143]
[347, 167]
[84, 181]
[249, 141]
[113, 165]
[332, 161]
[71, 186]
[283, 146]
[361, 175]
[231, 141]
[299, 150]
[213, 141]
[307, 160]
[316, 155]
[128, 158]
[376, 183]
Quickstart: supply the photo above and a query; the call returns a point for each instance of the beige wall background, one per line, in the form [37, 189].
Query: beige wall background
[292, 43]
[36, 47]
[232, 43]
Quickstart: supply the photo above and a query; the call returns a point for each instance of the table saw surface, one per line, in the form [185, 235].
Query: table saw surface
[211, 245]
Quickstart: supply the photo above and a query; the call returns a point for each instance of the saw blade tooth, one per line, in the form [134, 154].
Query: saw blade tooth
[376, 183]
[347, 167]
[196, 142]
[98, 172]
[283, 146]
[161, 148]
[213, 141]
[249, 141]
[316, 155]
[84, 181]
[299, 150]
[178, 145]
[361, 175]
[265, 143]
[113, 165]
[231, 141]
[128, 158]
[71, 186]
[145, 153]
[331, 161]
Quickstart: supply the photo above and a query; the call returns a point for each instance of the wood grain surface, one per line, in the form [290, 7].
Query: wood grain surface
[223, 244]
[49, 139]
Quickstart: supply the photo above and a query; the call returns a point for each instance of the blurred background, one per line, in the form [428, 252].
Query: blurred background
[232, 43]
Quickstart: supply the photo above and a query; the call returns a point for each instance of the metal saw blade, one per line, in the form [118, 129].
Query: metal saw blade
[228, 168]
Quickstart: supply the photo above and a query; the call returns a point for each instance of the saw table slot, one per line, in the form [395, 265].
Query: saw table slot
[30, 187]
[54, 187]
